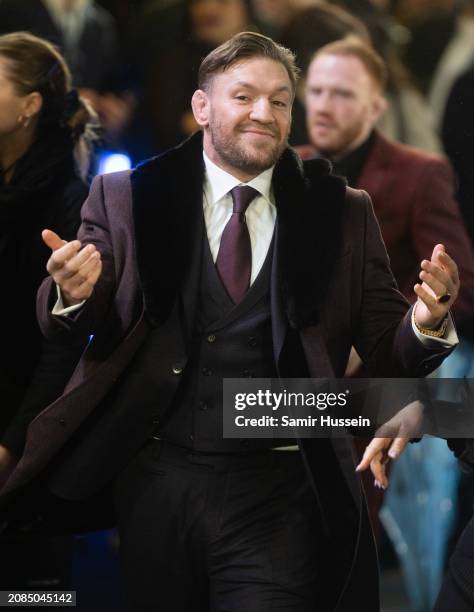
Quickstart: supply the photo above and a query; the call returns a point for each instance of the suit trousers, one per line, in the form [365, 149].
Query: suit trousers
[219, 533]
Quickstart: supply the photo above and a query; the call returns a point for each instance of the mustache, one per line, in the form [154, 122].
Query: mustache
[324, 118]
[273, 131]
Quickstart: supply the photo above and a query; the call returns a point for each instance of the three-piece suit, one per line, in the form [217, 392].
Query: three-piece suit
[326, 286]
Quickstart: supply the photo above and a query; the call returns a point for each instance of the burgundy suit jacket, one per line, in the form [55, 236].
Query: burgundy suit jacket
[413, 196]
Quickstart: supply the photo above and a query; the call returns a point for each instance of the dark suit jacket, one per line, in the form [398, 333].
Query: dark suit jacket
[331, 282]
[413, 196]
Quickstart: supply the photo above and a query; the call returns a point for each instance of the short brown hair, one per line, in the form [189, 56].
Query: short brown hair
[242, 46]
[353, 46]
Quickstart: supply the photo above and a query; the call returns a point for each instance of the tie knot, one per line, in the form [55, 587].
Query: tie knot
[242, 196]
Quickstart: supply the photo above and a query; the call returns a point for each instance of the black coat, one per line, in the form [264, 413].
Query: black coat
[43, 193]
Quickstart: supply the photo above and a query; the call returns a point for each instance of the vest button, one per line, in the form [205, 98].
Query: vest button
[206, 371]
[156, 421]
[177, 370]
[253, 341]
[191, 437]
[247, 374]
[203, 405]
[211, 338]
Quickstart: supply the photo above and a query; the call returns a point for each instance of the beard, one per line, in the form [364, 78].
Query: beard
[340, 142]
[249, 159]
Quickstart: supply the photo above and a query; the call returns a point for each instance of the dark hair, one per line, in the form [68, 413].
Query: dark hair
[242, 46]
[311, 28]
[354, 47]
[35, 65]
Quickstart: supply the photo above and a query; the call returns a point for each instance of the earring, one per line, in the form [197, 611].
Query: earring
[24, 121]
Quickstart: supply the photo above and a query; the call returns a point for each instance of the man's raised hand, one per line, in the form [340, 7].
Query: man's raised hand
[439, 289]
[74, 269]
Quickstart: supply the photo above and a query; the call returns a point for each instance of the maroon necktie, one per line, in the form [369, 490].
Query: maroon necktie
[234, 260]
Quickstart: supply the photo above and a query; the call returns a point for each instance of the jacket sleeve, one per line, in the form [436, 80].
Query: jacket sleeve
[94, 229]
[383, 336]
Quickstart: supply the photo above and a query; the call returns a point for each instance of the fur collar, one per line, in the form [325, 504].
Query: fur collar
[167, 207]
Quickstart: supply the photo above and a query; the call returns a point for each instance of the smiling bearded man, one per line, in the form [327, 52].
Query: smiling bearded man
[247, 115]
[226, 257]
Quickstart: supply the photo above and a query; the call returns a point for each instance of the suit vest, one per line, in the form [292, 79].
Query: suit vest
[230, 341]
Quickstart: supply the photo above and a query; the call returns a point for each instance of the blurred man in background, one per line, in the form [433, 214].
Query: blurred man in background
[412, 191]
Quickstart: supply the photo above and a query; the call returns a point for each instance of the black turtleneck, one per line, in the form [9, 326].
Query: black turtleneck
[350, 165]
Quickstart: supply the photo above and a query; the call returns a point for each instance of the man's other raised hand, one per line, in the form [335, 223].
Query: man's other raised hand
[75, 270]
[439, 288]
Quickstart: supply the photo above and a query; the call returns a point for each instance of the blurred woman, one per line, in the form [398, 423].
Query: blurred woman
[44, 127]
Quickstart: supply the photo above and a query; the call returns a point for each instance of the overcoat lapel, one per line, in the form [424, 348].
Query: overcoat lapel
[310, 205]
[167, 210]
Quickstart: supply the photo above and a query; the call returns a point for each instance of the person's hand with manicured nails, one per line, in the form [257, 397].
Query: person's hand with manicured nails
[390, 441]
[75, 270]
[436, 294]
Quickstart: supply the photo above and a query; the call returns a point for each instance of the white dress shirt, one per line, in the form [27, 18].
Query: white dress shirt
[260, 215]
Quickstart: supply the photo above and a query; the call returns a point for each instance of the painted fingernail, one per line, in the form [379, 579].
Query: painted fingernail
[358, 468]
[392, 454]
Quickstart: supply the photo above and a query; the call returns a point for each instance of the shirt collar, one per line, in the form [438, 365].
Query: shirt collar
[218, 182]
